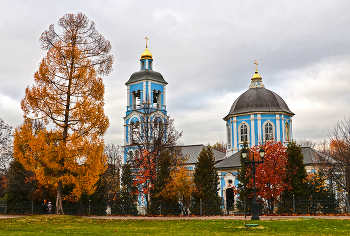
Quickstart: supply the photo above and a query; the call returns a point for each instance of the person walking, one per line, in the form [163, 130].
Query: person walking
[49, 207]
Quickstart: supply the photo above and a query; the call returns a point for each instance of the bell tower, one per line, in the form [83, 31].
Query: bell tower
[146, 97]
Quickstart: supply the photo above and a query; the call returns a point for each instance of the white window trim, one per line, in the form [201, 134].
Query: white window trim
[273, 131]
[239, 132]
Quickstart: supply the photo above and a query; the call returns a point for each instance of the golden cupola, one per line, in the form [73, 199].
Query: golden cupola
[146, 54]
[146, 59]
[256, 79]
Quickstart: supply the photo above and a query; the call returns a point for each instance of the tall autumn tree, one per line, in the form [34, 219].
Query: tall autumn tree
[336, 163]
[271, 175]
[68, 98]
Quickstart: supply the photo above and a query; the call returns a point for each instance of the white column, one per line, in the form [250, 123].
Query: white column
[278, 126]
[149, 93]
[124, 132]
[283, 138]
[128, 96]
[164, 95]
[234, 130]
[290, 129]
[252, 129]
[144, 91]
[259, 128]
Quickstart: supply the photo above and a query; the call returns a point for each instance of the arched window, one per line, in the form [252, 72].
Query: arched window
[268, 131]
[243, 131]
[149, 64]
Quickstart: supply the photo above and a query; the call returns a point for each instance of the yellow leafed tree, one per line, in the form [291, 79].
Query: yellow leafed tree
[61, 139]
[180, 186]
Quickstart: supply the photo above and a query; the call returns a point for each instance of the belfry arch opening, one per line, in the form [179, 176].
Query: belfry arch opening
[157, 96]
[136, 99]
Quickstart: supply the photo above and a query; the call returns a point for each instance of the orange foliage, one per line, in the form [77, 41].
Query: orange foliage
[271, 174]
[180, 185]
[40, 151]
[336, 145]
[317, 181]
[68, 98]
[146, 172]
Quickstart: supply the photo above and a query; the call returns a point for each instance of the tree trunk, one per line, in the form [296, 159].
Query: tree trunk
[59, 208]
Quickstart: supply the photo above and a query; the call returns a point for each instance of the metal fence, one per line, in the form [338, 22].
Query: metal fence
[293, 206]
[3, 206]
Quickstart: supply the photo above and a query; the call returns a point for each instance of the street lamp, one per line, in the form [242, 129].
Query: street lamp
[255, 209]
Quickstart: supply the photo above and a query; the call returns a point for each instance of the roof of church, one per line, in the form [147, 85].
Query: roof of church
[259, 99]
[233, 161]
[146, 75]
[192, 152]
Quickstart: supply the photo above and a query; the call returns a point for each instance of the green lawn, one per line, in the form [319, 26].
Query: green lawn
[72, 225]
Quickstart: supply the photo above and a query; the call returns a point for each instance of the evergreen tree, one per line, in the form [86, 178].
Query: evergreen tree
[128, 191]
[296, 176]
[244, 191]
[19, 189]
[23, 189]
[296, 173]
[206, 181]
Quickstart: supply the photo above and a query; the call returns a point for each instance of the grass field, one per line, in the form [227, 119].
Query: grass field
[72, 225]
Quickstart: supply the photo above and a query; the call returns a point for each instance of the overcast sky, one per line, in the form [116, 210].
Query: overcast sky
[205, 50]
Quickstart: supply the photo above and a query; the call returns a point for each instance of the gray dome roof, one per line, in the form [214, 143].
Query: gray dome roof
[259, 100]
[146, 74]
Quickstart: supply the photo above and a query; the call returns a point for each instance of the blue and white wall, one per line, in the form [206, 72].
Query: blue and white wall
[255, 123]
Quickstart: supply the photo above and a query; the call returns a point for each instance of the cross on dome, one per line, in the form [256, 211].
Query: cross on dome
[256, 79]
[146, 41]
[256, 66]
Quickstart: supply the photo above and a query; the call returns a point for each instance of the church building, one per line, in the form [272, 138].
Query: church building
[256, 116]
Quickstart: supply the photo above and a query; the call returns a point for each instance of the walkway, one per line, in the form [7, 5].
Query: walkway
[216, 217]
[337, 217]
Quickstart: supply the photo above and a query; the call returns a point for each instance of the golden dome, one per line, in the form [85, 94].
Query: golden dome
[256, 75]
[146, 54]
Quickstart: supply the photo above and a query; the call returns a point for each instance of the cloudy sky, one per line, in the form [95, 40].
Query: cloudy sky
[205, 50]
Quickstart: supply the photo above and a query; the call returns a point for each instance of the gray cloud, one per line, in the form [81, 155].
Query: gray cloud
[205, 51]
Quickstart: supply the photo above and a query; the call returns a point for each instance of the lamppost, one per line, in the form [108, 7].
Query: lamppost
[255, 209]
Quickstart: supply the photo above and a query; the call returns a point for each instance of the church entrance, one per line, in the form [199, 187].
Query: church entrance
[229, 199]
